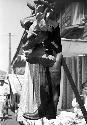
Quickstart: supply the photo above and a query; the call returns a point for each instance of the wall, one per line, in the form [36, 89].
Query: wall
[76, 64]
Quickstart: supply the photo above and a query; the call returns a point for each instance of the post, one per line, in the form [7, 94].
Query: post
[9, 54]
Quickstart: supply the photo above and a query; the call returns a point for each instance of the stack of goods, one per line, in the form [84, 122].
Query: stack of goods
[42, 40]
[41, 44]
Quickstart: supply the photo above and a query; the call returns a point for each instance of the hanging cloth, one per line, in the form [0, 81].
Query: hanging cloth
[78, 13]
[27, 101]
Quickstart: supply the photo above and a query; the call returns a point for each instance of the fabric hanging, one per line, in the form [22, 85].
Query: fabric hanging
[36, 80]
[27, 103]
[78, 13]
[29, 96]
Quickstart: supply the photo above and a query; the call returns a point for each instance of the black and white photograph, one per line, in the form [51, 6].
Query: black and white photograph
[43, 62]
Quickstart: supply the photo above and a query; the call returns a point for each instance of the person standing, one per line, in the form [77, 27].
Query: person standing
[4, 91]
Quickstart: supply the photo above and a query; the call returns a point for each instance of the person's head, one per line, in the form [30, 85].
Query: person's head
[1, 82]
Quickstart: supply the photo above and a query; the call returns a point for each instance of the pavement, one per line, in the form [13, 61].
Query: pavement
[10, 120]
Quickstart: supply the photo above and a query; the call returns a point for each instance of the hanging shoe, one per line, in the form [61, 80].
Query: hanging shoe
[34, 56]
[39, 56]
[33, 40]
[27, 22]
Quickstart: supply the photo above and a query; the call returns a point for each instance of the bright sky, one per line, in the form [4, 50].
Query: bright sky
[11, 11]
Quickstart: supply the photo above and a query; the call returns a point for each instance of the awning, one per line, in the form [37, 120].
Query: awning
[68, 30]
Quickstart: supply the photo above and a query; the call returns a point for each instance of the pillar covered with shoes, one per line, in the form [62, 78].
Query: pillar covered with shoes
[41, 44]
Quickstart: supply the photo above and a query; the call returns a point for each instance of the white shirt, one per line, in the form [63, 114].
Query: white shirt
[4, 89]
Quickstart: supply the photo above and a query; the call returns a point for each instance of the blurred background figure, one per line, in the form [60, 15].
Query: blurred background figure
[4, 92]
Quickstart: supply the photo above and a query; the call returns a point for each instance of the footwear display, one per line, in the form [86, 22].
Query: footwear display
[41, 46]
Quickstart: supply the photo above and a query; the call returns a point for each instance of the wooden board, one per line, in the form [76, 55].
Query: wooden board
[74, 47]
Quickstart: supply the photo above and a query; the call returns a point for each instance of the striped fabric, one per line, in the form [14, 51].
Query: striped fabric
[36, 82]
